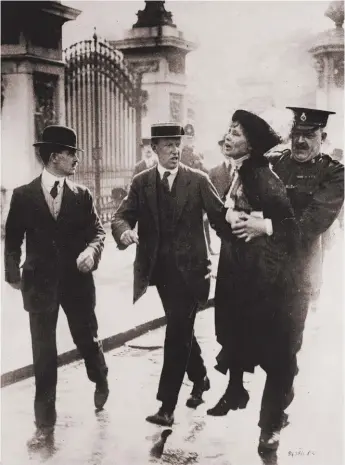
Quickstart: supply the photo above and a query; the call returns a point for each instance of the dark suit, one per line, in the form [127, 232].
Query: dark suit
[140, 166]
[51, 278]
[172, 254]
[220, 178]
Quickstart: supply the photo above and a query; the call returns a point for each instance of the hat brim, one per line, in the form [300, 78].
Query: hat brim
[167, 137]
[308, 127]
[38, 144]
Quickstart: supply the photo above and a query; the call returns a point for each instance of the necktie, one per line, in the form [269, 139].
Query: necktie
[233, 186]
[165, 180]
[233, 173]
[229, 181]
[54, 189]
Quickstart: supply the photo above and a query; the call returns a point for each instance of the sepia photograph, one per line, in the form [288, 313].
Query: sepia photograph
[172, 232]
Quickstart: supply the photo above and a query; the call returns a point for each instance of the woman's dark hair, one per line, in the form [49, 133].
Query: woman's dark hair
[258, 132]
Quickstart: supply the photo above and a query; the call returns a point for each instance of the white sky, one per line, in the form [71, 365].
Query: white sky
[230, 35]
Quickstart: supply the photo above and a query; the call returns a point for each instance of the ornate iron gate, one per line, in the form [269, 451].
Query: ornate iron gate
[103, 101]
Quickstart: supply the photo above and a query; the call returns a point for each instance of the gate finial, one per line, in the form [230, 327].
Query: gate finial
[95, 37]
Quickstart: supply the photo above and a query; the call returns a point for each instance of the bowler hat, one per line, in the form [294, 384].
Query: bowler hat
[166, 130]
[310, 117]
[259, 133]
[61, 136]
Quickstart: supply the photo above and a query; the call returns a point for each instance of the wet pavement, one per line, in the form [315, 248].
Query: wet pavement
[114, 307]
[119, 435]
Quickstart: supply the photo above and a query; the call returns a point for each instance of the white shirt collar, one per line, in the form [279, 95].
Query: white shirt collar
[239, 161]
[162, 170]
[48, 179]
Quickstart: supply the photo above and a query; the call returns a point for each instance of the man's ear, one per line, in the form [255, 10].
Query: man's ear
[323, 136]
[154, 148]
[53, 157]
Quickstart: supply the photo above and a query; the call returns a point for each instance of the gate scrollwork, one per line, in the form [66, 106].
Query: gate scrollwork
[103, 103]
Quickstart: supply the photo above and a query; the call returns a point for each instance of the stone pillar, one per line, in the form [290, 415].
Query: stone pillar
[155, 48]
[32, 85]
[328, 54]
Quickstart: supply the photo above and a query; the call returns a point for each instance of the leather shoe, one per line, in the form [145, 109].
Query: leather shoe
[101, 394]
[233, 399]
[269, 439]
[162, 418]
[196, 395]
[41, 436]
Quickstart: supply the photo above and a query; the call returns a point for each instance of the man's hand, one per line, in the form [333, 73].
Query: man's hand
[249, 227]
[17, 285]
[85, 261]
[233, 216]
[129, 237]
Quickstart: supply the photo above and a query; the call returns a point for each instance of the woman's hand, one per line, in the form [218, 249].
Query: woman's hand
[249, 227]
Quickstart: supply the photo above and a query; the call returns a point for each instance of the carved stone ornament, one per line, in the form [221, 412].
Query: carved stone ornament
[338, 70]
[176, 107]
[144, 98]
[319, 66]
[335, 12]
[141, 67]
[176, 64]
[45, 89]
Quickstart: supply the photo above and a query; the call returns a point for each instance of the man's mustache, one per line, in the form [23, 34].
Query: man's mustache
[301, 147]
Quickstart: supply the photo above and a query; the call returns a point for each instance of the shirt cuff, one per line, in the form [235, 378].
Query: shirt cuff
[269, 227]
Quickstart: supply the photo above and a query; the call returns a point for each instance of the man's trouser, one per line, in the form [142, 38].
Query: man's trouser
[83, 326]
[182, 352]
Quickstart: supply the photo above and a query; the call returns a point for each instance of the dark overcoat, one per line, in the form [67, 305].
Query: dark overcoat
[52, 246]
[141, 166]
[250, 317]
[194, 193]
[220, 178]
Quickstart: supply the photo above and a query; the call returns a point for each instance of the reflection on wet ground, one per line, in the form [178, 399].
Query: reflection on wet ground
[119, 434]
[196, 428]
[43, 451]
[179, 456]
[158, 447]
[268, 457]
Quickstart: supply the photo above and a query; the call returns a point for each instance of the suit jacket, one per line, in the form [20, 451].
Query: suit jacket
[52, 246]
[139, 167]
[220, 178]
[194, 193]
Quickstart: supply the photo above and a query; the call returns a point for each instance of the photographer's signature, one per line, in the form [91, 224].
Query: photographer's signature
[301, 453]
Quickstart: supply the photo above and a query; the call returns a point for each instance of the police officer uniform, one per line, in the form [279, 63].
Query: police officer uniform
[316, 191]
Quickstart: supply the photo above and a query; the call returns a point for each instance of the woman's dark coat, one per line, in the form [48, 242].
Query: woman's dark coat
[253, 324]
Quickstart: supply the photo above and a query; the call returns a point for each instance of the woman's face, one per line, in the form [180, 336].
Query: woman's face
[236, 143]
